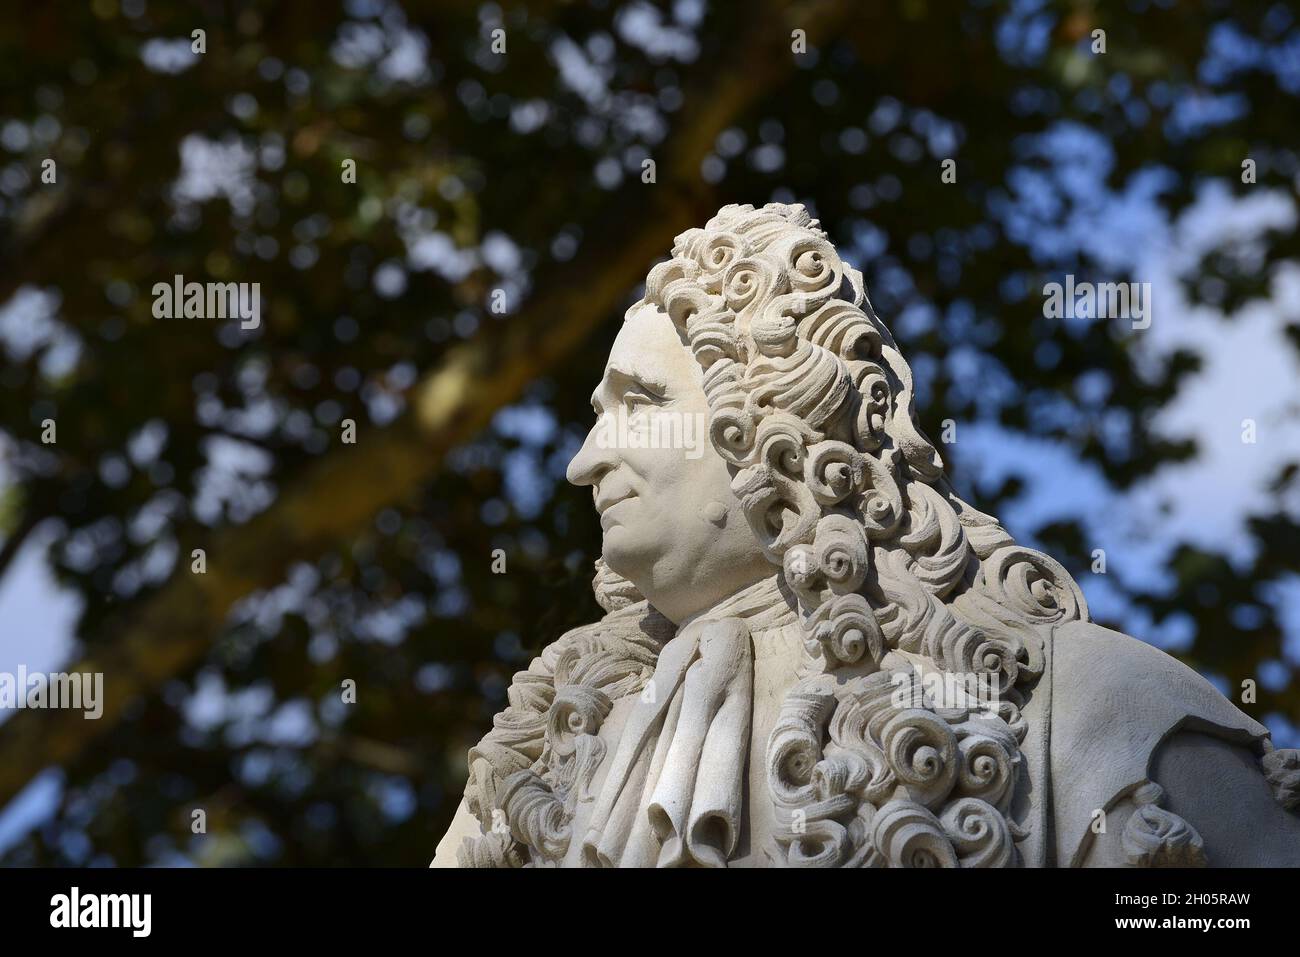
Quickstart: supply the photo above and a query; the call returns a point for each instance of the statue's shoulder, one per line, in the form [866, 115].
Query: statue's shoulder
[571, 684]
[1110, 685]
[1114, 701]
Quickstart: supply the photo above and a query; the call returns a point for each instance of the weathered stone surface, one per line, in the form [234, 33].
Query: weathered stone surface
[816, 654]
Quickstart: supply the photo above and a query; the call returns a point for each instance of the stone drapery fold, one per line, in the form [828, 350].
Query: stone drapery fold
[674, 793]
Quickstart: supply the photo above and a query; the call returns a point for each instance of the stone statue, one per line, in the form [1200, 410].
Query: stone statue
[815, 654]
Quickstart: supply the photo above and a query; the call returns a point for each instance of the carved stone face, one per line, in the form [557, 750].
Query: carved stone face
[672, 526]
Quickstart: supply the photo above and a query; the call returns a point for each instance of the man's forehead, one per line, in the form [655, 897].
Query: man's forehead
[640, 353]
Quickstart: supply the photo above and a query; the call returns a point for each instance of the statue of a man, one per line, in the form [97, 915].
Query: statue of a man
[814, 652]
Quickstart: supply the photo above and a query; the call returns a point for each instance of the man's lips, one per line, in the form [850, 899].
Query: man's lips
[606, 507]
[611, 496]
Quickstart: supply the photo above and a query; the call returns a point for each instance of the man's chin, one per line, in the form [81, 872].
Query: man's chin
[625, 554]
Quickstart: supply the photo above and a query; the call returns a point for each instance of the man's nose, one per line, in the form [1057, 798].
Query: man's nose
[593, 460]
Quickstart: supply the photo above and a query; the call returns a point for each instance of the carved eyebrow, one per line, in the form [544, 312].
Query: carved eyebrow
[650, 383]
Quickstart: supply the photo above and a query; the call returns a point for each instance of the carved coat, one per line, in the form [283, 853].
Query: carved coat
[629, 743]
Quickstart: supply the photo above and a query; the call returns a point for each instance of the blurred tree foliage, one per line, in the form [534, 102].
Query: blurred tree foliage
[519, 171]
